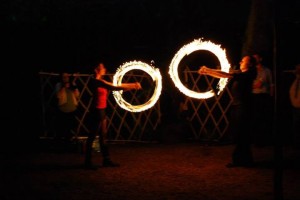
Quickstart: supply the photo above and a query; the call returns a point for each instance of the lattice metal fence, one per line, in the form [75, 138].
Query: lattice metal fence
[122, 125]
[208, 118]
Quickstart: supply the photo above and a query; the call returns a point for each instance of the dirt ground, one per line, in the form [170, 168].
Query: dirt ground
[188, 170]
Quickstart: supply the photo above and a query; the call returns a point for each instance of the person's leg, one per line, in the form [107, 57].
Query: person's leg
[242, 153]
[89, 149]
[235, 123]
[103, 142]
[242, 156]
[266, 119]
[60, 125]
[69, 126]
[94, 121]
[296, 127]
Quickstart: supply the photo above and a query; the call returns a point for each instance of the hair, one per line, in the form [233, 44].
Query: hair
[62, 74]
[97, 67]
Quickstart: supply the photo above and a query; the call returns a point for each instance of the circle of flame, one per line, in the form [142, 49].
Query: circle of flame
[137, 65]
[188, 49]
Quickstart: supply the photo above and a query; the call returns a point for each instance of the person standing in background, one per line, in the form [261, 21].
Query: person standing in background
[67, 95]
[262, 104]
[294, 94]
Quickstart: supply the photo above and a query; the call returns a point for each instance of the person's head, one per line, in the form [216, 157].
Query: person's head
[65, 78]
[257, 57]
[247, 63]
[100, 70]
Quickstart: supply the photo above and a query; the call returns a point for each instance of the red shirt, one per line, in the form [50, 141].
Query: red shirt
[101, 98]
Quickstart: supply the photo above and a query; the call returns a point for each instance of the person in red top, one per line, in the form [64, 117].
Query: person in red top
[100, 88]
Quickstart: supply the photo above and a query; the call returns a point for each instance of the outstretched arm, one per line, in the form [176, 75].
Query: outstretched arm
[124, 86]
[214, 72]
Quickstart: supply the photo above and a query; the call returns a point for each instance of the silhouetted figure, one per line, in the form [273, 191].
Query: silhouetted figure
[262, 104]
[67, 95]
[240, 122]
[294, 93]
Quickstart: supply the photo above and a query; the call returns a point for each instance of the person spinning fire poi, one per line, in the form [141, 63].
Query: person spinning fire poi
[100, 88]
[240, 123]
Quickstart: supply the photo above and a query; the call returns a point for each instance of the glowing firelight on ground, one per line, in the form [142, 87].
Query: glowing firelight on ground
[196, 45]
[137, 65]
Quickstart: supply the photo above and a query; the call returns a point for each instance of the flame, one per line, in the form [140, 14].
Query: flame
[137, 65]
[196, 45]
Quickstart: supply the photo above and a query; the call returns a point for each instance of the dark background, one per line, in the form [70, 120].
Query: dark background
[74, 35]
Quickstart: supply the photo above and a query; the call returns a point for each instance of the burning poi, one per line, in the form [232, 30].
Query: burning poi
[196, 45]
[137, 65]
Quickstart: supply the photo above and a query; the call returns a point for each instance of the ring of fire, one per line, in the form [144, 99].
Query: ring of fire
[188, 49]
[137, 65]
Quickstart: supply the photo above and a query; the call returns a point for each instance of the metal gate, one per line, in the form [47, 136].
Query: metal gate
[207, 118]
[122, 124]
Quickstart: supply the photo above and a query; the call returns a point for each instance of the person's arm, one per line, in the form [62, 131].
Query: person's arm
[294, 97]
[75, 77]
[124, 86]
[74, 87]
[214, 72]
[60, 94]
[76, 92]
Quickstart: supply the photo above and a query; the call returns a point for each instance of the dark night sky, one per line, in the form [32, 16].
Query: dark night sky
[76, 34]
[73, 35]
